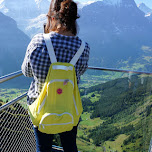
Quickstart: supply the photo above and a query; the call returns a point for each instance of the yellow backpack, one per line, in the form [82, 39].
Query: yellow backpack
[58, 107]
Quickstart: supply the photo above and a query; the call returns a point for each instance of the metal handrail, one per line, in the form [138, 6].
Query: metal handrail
[19, 73]
[13, 101]
[10, 76]
[7, 78]
[118, 70]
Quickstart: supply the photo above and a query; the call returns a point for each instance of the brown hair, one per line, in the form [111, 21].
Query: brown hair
[65, 12]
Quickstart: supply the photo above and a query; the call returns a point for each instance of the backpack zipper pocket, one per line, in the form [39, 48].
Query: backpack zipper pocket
[56, 117]
[61, 80]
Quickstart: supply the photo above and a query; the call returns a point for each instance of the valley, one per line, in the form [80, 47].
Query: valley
[116, 114]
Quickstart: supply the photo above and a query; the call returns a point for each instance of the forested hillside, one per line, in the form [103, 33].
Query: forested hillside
[125, 108]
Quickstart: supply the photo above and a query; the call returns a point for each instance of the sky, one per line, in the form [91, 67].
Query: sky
[147, 2]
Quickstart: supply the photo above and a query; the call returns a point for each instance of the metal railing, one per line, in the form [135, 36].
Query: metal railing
[19, 73]
[15, 122]
[10, 76]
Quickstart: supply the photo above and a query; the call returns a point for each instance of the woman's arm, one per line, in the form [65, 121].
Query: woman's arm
[26, 66]
[84, 66]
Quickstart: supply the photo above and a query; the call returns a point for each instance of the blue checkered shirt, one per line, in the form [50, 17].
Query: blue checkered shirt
[37, 61]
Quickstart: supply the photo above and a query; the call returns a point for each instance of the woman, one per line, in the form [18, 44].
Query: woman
[62, 28]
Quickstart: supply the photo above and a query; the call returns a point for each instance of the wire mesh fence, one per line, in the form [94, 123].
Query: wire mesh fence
[16, 130]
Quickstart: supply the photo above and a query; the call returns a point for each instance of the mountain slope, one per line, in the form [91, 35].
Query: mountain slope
[115, 32]
[13, 45]
[125, 108]
[12, 49]
[35, 25]
[22, 10]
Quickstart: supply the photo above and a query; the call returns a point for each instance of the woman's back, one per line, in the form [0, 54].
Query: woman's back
[65, 48]
[62, 28]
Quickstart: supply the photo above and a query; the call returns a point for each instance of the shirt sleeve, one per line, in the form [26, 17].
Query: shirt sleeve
[84, 66]
[26, 66]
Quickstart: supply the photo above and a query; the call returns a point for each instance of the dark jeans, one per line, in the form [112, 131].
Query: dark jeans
[44, 141]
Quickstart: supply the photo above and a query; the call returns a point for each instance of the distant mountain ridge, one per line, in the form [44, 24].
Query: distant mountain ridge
[22, 11]
[26, 11]
[117, 32]
[19, 7]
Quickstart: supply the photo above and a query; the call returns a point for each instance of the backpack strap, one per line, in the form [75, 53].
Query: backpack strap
[78, 54]
[52, 53]
[50, 48]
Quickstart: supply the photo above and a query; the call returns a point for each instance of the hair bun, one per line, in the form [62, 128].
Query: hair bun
[68, 10]
[65, 12]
